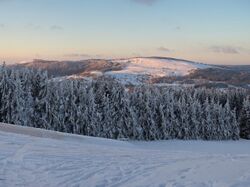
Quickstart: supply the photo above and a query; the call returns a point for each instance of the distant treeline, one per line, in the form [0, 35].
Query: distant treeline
[105, 108]
[212, 77]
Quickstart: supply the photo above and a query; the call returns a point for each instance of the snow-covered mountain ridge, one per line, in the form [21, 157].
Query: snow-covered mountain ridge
[139, 69]
[128, 70]
[156, 66]
[153, 70]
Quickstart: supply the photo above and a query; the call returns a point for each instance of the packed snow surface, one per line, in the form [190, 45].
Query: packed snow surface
[32, 157]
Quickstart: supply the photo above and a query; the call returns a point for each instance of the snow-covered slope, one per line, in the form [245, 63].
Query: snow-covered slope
[32, 157]
[156, 66]
[152, 67]
[128, 70]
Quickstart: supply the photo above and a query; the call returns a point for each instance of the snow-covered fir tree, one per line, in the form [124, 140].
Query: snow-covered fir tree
[106, 108]
[245, 119]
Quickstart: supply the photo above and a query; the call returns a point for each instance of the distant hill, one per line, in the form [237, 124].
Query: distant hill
[68, 68]
[150, 66]
[145, 70]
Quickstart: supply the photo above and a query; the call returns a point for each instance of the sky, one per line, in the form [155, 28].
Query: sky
[209, 31]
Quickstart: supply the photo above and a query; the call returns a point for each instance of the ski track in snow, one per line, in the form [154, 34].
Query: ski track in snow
[28, 160]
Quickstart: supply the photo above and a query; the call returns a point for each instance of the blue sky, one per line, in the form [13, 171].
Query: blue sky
[210, 31]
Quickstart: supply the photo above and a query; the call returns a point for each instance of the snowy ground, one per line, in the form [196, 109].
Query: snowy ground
[31, 157]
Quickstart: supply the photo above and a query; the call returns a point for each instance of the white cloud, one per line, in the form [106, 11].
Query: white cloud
[225, 49]
[56, 27]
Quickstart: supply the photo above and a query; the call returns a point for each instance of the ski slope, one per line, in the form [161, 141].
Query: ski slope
[32, 157]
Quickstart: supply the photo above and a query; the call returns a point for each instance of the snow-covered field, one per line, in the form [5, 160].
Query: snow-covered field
[32, 157]
[160, 66]
[153, 67]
